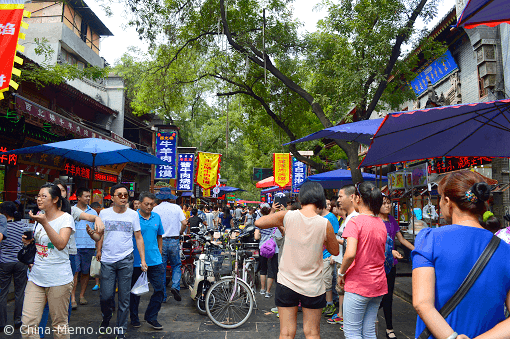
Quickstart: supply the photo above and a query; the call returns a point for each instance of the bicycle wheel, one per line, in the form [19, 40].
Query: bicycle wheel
[229, 303]
[188, 276]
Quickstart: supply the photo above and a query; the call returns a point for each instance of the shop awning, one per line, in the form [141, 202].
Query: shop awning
[275, 189]
[187, 194]
[338, 178]
[229, 189]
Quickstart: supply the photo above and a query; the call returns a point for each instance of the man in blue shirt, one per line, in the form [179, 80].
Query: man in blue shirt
[329, 263]
[152, 233]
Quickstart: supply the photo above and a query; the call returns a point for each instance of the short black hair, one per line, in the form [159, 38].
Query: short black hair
[95, 204]
[194, 211]
[371, 196]
[312, 193]
[59, 182]
[116, 187]
[79, 191]
[349, 189]
[9, 209]
[146, 194]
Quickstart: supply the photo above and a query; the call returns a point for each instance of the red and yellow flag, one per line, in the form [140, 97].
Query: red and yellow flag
[208, 169]
[11, 14]
[282, 169]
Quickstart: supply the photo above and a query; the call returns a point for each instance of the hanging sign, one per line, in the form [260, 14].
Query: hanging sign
[261, 173]
[166, 150]
[185, 169]
[11, 13]
[208, 169]
[437, 70]
[282, 169]
[206, 193]
[299, 171]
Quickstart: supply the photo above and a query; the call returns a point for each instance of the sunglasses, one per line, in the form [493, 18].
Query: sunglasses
[121, 195]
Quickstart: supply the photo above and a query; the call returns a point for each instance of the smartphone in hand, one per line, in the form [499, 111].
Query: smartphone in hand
[28, 234]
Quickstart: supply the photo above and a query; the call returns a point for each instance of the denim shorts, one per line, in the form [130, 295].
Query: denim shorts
[83, 259]
[285, 297]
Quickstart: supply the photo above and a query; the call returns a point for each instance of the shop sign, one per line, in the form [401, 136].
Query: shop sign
[43, 159]
[437, 70]
[261, 173]
[282, 169]
[166, 150]
[105, 177]
[299, 171]
[77, 171]
[208, 169]
[123, 141]
[396, 180]
[231, 197]
[112, 169]
[185, 169]
[448, 164]
[206, 193]
[10, 159]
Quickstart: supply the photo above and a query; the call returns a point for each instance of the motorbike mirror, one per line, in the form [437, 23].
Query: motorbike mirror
[249, 229]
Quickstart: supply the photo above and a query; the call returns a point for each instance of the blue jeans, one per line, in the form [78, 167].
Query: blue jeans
[156, 276]
[46, 311]
[360, 314]
[121, 270]
[171, 253]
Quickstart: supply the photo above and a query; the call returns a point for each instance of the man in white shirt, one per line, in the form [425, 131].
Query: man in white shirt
[115, 251]
[174, 224]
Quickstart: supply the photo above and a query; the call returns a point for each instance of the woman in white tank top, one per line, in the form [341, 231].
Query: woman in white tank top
[300, 278]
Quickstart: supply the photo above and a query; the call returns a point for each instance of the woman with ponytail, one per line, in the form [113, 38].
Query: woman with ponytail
[444, 256]
[10, 267]
[50, 278]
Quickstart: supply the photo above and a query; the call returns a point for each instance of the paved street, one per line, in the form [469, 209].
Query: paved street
[180, 320]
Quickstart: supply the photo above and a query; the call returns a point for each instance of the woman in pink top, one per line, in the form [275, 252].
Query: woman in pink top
[300, 277]
[362, 272]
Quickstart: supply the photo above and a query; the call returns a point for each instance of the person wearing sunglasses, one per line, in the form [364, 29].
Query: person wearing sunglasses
[115, 251]
[362, 274]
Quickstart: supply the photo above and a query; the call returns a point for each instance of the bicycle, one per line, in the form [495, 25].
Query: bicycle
[231, 300]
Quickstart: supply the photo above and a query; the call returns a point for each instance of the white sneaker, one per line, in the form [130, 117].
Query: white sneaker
[268, 295]
[274, 310]
[263, 292]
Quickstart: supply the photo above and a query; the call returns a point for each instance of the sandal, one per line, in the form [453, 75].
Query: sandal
[391, 335]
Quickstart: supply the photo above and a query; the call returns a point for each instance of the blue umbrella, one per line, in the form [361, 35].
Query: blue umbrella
[484, 12]
[228, 189]
[360, 131]
[93, 152]
[339, 178]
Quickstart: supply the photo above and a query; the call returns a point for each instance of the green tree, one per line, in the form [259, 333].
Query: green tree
[229, 48]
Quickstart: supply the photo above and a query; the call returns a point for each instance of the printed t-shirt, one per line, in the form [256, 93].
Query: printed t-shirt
[301, 264]
[392, 228]
[171, 216]
[366, 276]
[150, 228]
[83, 240]
[118, 231]
[336, 226]
[11, 244]
[452, 251]
[51, 266]
[340, 256]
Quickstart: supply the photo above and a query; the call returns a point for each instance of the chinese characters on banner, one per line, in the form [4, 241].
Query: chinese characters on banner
[10, 159]
[166, 150]
[299, 171]
[448, 164]
[282, 169]
[84, 172]
[10, 23]
[208, 169]
[185, 169]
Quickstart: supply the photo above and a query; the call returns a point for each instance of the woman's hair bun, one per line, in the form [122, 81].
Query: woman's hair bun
[481, 190]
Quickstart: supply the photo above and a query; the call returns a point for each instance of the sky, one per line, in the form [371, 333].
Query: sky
[112, 48]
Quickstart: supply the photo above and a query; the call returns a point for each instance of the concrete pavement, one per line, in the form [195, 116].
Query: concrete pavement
[180, 320]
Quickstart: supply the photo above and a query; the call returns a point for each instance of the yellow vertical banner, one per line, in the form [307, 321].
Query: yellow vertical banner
[208, 169]
[206, 192]
[282, 169]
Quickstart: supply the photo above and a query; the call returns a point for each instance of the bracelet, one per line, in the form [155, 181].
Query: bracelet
[342, 275]
[453, 335]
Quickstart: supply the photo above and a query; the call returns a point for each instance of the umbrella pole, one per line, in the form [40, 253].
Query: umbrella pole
[93, 174]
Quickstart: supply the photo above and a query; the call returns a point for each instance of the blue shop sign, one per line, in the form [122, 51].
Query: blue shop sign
[437, 70]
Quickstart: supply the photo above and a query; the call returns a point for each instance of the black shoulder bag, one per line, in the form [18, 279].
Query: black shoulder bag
[26, 254]
[467, 283]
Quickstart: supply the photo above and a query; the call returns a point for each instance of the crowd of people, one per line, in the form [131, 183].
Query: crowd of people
[346, 249]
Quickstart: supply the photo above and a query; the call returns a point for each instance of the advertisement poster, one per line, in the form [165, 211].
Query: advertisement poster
[282, 169]
[185, 168]
[419, 175]
[166, 150]
[299, 171]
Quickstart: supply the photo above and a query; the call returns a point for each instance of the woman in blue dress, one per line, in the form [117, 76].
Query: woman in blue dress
[444, 256]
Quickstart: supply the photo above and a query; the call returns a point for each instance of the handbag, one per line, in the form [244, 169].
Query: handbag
[26, 254]
[466, 285]
[268, 248]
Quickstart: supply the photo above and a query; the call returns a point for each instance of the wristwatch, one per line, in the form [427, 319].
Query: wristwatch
[340, 274]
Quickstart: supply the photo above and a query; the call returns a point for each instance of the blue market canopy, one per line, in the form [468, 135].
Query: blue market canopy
[187, 194]
[275, 189]
[93, 152]
[228, 189]
[484, 12]
[339, 178]
[480, 129]
[360, 131]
